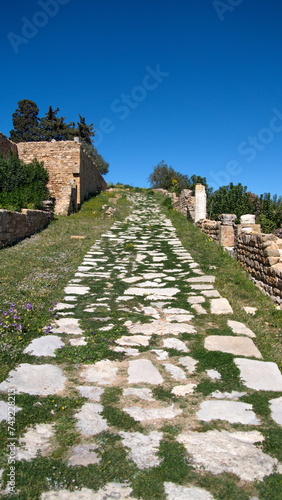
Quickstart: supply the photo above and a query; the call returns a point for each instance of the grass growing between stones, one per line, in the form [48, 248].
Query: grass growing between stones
[176, 466]
[36, 270]
[234, 283]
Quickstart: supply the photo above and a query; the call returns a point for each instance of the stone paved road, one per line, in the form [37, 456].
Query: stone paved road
[138, 278]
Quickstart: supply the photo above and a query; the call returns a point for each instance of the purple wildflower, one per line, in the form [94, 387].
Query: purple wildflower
[29, 306]
[20, 327]
[47, 329]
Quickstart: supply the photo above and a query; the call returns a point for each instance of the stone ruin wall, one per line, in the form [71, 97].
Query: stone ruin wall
[59, 159]
[72, 173]
[7, 147]
[211, 228]
[91, 181]
[15, 226]
[185, 203]
[261, 256]
[73, 176]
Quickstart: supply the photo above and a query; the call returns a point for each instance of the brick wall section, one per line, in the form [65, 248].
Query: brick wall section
[211, 228]
[261, 256]
[15, 226]
[7, 147]
[72, 173]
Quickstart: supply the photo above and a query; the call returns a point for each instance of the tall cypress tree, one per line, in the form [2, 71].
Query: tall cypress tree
[54, 127]
[85, 132]
[25, 122]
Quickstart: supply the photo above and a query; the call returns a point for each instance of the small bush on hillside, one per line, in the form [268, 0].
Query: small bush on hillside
[167, 203]
[22, 185]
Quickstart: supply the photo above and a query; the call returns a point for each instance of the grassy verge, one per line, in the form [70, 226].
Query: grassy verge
[34, 272]
[233, 283]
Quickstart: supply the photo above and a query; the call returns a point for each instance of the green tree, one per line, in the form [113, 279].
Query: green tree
[54, 127]
[85, 132]
[269, 212]
[166, 177]
[198, 179]
[231, 199]
[25, 122]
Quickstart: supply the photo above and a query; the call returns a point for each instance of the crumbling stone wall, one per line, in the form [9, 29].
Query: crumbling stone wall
[184, 203]
[261, 256]
[15, 226]
[211, 228]
[7, 147]
[72, 173]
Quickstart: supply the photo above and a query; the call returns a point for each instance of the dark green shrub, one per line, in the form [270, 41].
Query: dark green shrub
[167, 203]
[22, 185]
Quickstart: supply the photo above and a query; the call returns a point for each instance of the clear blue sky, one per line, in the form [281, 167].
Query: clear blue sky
[192, 82]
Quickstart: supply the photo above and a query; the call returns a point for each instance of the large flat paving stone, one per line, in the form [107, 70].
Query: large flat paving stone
[163, 292]
[177, 492]
[36, 440]
[240, 346]
[221, 306]
[67, 325]
[240, 329]
[116, 491]
[41, 380]
[260, 375]
[175, 372]
[196, 299]
[183, 390]
[232, 411]
[202, 279]
[134, 340]
[143, 371]
[231, 452]
[179, 318]
[140, 393]
[172, 343]
[175, 310]
[143, 448]
[201, 287]
[160, 327]
[188, 363]
[90, 392]
[276, 410]
[44, 346]
[89, 420]
[7, 411]
[211, 294]
[77, 290]
[102, 373]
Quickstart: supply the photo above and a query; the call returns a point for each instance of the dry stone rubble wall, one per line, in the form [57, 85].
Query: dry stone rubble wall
[261, 256]
[15, 226]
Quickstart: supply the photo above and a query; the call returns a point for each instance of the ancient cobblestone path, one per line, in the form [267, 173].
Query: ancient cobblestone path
[153, 398]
